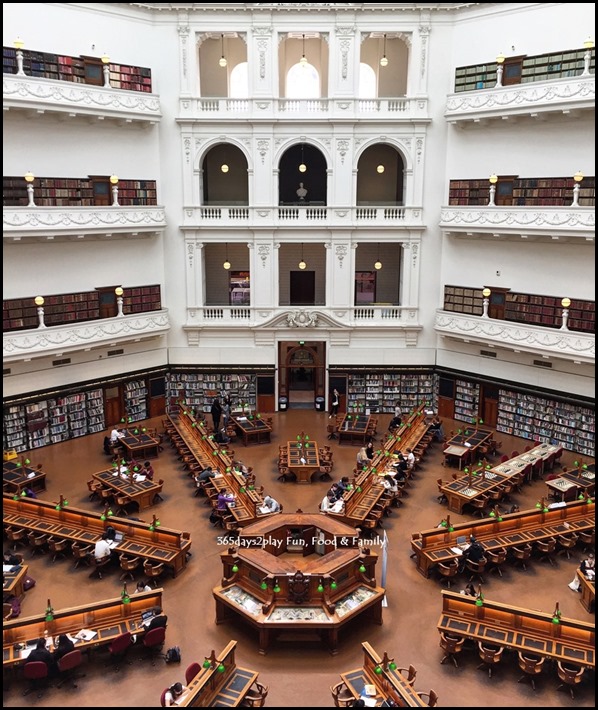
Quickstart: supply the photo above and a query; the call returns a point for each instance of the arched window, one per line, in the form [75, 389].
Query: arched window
[367, 82]
[303, 82]
[239, 82]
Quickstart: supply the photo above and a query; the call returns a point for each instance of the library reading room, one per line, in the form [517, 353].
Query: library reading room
[299, 355]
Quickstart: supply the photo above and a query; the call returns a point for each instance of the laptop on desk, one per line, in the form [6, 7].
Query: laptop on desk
[461, 544]
[147, 616]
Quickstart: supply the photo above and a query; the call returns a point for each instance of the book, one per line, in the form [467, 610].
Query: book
[86, 634]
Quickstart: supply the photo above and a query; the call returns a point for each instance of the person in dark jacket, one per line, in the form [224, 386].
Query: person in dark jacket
[474, 553]
[41, 653]
[64, 646]
[216, 412]
[160, 619]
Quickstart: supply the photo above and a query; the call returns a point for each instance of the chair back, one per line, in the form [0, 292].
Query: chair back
[191, 671]
[163, 698]
[35, 670]
[450, 644]
[531, 664]
[121, 643]
[155, 637]
[490, 654]
[70, 660]
[497, 557]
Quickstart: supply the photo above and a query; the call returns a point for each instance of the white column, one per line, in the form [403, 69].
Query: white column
[262, 51]
[187, 58]
[263, 260]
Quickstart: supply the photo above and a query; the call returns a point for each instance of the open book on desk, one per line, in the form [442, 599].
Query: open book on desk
[86, 635]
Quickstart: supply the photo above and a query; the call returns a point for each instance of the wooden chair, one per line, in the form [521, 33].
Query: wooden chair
[128, 565]
[531, 667]
[38, 543]
[520, 555]
[99, 565]
[478, 506]
[441, 495]
[122, 503]
[157, 496]
[58, 547]
[255, 696]
[570, 676]
[331, 429]
[153, 572]
[476, 569]
[546, 549]
[191, 671]
[490, 656]
[448, 570]
[341, 695]
[94, 488]
[566, 543]
[588, 540]
[38, 674]
[451, 645]
[496, 558]
[408, 674]
[431, 697]
[16, 536]
[67, 668]
[81, 553]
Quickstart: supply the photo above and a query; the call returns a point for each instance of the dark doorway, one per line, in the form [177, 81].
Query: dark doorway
[314, 178]
[303, 288]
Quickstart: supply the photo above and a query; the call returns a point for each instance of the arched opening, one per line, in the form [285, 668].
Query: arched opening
[314, 179]
[302, 372]
[367, 82]
[303, 82]
[380, 176]
[224, 176]
[239, 81]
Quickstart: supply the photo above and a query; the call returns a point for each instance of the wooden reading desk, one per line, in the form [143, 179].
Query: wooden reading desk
[253, 429]
[588, 592]
[107, 619]
[518, 629]
[303, 459]
[141, 445]
[159, 545]
[570, 484]
[126, 483]
[213, 688]
[353, 428]
[390, 684]
[463, 447]
[514, 529]
[12, 581]
[16, 476]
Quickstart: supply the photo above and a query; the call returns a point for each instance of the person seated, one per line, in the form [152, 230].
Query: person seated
[204, 476]
[369, 450]
[271, 505]
[175, 691]
[102, 548]
[330, 503]
[12, 559]
[343, 485]
[395, 422]
[142, 587]
[436, 429]
[241, 467]
[41, 653]
[469, 590]
[115, 435]
[474, 553]
[64, 646]
[159, 619]
[147, 470]
[362, 458]
[221, 437]
[410, 458]
[225, 498]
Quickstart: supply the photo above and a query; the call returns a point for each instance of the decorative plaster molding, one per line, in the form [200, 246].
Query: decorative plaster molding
[302, 319]
[264, 252]
[519, 218]
[341, 252]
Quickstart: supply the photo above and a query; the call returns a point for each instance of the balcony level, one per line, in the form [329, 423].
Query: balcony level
[519, 337]
[537, 100]
[35, 96]
[59, 340]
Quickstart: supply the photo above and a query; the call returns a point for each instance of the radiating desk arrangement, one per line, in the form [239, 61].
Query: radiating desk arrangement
[12, 580]
[329, 582]
[252, 428]
[588, 592]
[139, 444]
[219, 683]
[303, 458]
[124, 482]
[514, 529]
[17, 475]
[463, 447]
[571, 483]
[481, 480]
[353, 429]
[388, 682]
[525, 630]
[158, 544]
[100, 623]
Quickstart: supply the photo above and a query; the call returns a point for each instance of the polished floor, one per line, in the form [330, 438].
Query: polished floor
[299, 672]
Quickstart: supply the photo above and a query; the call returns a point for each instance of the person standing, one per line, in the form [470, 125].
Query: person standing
[335, 402]
[216, 412]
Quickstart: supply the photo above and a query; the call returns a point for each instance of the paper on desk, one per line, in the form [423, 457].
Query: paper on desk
[457, 550]
[86, 634]
[31, 475]
[369, 702]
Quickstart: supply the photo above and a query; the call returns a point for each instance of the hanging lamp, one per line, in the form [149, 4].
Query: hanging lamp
[226, 264]
[302, 165]
[222, 61]
[384, 60]
[303, 60]
[378, 264]
[302, 264]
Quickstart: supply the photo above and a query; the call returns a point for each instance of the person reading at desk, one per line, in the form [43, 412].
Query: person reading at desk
[115, 435]
[173, 693]
[41, 653]
[64, 646]
[102, 548]
[225, 498]
[270, 505]
[588, 569]
[147, 470]
[474, 552]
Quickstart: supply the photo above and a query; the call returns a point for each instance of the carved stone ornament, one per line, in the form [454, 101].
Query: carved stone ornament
[302, 319]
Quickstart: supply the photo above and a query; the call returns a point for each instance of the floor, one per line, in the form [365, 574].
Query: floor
[298, 673]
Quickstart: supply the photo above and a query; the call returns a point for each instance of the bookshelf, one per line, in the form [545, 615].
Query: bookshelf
[461, 299]
[141, 299]
[83, 69]
[524, 192]
[136, 400]
[94, 400]
[37, 424]
[467, 398]
[539, 67]
[380, 392]
[76, 192]
[14, 435]
[199, 389]
[59, 423]
[539, 418]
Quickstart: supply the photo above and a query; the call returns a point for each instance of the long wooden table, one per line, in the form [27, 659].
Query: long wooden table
[481, 481]
[12, 582]
[303, 459]
[108, 618]
[514, 529]
[588, 592]
[214, 688]
[253, 430]
[141, 445]
[570, 484]
[463, 447]
[353, 428]
[518, 629]
[390, 684]
[159, 545]
[124, 484]
[16, 476]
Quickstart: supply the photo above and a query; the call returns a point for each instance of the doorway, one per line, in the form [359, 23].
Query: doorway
[303, 288]
[301, 373]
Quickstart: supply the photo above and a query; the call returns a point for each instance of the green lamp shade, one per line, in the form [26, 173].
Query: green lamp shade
[307, 437]
[276, 589]
[50, 617]
[358, 489]
[499, 519]
[126, 600]
[102, 517]
[19, 464]
[228, 469]
[110, 513]
[320, 588]
[235, 568]
[443, 523]
[333, 585]
[263, 585]
[206, 664]
[538, 505]
[298, 437]
[122, 421]
[492, 514]
[362, 568]
[393, 666]
[378, 670]
[152, 528]
[451, 529]
[221, 668]
[135, 431]
[194, 424]
[143, 429]
[157, 523]
[556, 620]
[58, 507]
[24, 495]
[479, 602]
[16, 496]
[27, 462]
[241, 490]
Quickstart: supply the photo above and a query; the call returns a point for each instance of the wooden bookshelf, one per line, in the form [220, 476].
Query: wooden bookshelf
[380, 391]
[198, 389]
[141, 299]
[523, 69]
[461, 299]
[83, 69]
[523, 192]
[467, 399]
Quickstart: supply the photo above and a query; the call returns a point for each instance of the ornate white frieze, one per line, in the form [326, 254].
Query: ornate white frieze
[302, 319]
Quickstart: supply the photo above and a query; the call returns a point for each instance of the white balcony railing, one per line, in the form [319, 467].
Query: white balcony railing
[396, 109]
[302, 216]
[520, 337]
[549, 222]
[81, 222]
[62, 339]
[38, 95]
[531, 99]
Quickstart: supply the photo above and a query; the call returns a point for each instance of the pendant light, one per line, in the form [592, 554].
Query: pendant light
[302, 264]
[226, 265]
[303, 60]
[384, 60]
[378, 264]
[224, 167]
[302, 165]
[222, 61]
[380, 168]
